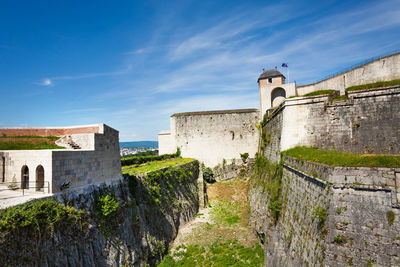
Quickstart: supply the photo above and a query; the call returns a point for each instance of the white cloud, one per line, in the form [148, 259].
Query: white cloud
[46, 82]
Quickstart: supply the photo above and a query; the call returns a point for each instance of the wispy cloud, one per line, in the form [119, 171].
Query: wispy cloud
[50, 81]
[45, 82]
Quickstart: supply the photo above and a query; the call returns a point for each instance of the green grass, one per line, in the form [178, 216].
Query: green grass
[226, 212]
[229, 253]
[320, 92]
[373, 85]
[335, 158]
[340, 98]
[154, 165]
[32, 144]
[50, 137]
[26, 145]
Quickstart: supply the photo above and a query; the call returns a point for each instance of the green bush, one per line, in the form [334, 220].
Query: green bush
[244, 157]
[40, 215]
[108, 205]
[208, 174]
[321, 214]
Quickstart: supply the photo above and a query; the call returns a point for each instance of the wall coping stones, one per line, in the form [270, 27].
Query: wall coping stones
[394, 89]
[212, 112]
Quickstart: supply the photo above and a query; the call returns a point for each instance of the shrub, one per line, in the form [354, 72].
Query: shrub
[390, 217]
[244, 157]
[107, 205]
[320, 213]
[208, 174]
[275, 207]
[37, 215]
[338, 239]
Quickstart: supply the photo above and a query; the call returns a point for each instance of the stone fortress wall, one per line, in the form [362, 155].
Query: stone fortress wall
[368, 122]
[386, 68]
[96, 160]
[359, 201]
[212, 136]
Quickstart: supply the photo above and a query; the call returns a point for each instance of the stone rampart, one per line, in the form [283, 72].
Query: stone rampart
[362, 216]
[212, 136]
[137, 233]
[382, 69]
[368, 122]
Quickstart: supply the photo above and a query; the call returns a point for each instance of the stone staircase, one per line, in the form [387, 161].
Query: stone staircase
[67, 142]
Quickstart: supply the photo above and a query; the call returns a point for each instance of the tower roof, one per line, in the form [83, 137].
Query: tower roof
[270, 74]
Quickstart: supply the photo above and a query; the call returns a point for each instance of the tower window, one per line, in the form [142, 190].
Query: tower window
[269, 80]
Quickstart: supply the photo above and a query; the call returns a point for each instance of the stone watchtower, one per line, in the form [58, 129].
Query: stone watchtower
[273, 89]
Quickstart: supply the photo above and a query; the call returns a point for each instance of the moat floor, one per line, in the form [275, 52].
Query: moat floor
[219, 235]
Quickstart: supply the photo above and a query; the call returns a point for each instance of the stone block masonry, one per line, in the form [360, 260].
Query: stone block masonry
[96, 161]
[382, 69]
[362, 218]
[212, 136]
[368, 122]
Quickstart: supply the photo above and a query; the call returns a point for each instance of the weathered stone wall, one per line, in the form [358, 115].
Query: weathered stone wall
[99, 163]
[383, 69]
[138, 233]
[270, 142]
[357, 230]
[15, 160]
[212, 136]
[368, 122]
[80, 167]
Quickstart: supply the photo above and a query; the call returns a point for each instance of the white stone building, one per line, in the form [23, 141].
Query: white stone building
[91, 156]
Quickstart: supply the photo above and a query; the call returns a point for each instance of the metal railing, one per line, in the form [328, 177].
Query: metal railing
[21, 186]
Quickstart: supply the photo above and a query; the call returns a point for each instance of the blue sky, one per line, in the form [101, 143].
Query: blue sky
[131, 64]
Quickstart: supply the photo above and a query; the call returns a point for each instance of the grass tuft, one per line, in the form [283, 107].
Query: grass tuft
[320, 92]
[373, 85]
[335, 158]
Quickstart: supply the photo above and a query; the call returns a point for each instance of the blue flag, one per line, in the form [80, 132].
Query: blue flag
[285, 65]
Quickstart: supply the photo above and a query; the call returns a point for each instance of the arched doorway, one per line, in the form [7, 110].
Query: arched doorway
[25, 177]
[278, 95]
[39, 178]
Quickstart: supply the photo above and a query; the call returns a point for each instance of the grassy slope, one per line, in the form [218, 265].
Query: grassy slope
[335, 158]
[220, 235]
[153, 165]
[29, 142]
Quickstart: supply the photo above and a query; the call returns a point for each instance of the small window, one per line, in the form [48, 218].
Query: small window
[269, 80]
